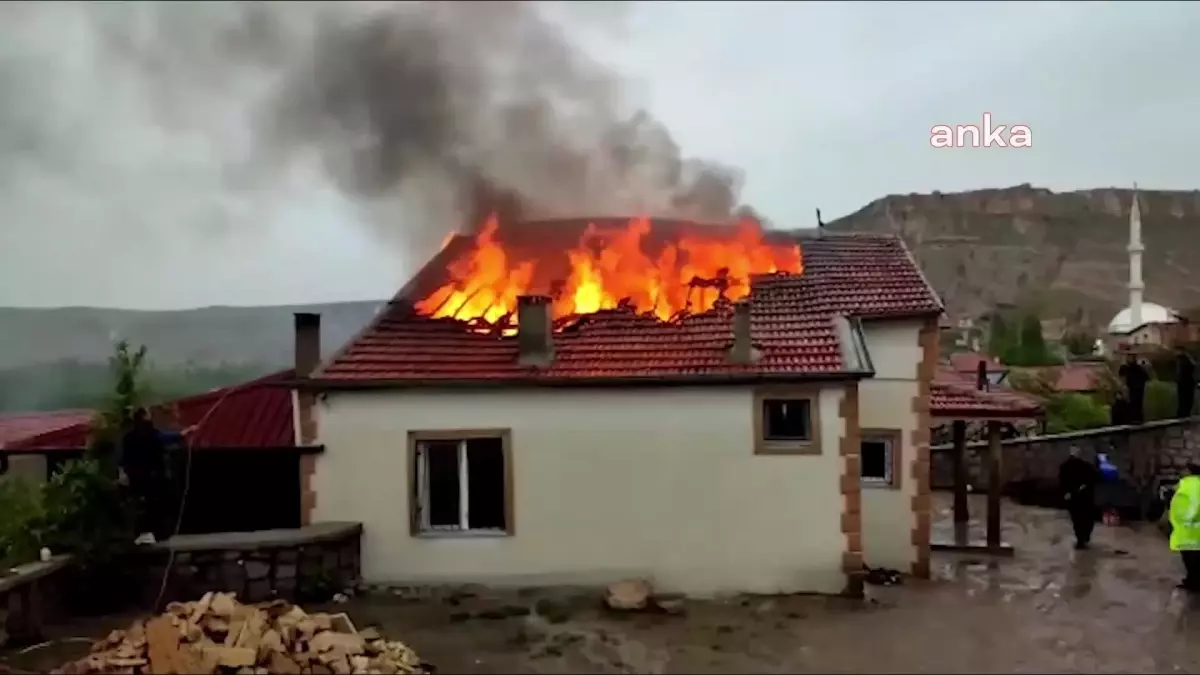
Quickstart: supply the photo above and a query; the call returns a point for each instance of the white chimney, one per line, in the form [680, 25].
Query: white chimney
[535, 331]
[1136, 286]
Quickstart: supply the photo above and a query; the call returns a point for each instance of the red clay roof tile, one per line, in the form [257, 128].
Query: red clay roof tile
[794, 322]
[954, 395]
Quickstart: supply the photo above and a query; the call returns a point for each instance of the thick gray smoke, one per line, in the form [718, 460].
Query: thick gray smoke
[424, 113]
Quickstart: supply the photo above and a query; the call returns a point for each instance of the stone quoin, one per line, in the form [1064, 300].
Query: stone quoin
[987, 135]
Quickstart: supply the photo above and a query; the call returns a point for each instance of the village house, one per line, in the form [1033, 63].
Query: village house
[769, 445]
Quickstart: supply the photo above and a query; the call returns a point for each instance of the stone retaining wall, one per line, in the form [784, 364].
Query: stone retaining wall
[1163, 448]
[29, 598]
[310, 562]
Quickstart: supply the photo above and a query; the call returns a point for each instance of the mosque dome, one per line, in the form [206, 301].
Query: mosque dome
[1121, 324]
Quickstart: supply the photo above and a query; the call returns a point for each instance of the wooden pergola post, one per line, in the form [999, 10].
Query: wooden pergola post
[995, 483]
[962, 509]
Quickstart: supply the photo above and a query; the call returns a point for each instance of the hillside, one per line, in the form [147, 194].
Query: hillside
[211, 335]
[1025, 244]
[978, 249]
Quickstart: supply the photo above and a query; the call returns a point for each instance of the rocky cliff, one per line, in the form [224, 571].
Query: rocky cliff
[1064, 250]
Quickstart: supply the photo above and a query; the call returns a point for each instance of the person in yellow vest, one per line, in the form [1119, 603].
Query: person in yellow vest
[1185, 526]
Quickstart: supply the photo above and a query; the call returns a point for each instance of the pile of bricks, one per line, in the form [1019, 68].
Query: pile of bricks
[217, 634]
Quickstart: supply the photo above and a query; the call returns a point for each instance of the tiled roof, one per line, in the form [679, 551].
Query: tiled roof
[255, 414]
[954, 396]
[794, 321]
[1079, 377]
[15, 428]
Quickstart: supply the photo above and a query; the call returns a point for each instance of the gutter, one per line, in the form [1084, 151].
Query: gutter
[576, 382]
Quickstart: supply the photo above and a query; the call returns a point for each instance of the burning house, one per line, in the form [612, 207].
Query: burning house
[714, 408]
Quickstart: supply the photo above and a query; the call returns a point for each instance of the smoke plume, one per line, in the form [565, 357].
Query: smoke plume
[424, 113]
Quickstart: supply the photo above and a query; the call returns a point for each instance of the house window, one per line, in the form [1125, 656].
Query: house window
[879, 457]
[787, 419]
[786, 424]
[461, 484]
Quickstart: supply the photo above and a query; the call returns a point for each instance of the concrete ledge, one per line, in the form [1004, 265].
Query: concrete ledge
[29, 572]
[1075, 435]
[250, 541]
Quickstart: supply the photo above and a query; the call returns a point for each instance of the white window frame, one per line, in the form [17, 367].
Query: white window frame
[889, 460]
[463, 528]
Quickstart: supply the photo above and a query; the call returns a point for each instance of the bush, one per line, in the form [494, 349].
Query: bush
[1160, 400]
[87, 515]
[21, 523]
[1074, 412]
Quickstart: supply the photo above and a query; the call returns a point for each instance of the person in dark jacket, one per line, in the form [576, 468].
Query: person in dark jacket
[1135, 377]
[1119, 411]
[1077, 478]
[1185, 383]
[143, 462]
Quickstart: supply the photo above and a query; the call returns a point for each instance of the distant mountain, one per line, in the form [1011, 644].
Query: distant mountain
[211, 335]
[1065, 251]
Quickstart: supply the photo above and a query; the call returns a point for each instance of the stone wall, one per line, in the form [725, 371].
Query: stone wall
[1153, 450]
[310, 562]
[29, 598]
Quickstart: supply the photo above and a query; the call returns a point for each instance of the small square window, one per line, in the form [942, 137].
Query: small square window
[787, 423]
[787, 419]
[878, 458]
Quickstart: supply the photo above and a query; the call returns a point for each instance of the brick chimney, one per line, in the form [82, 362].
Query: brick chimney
[743, 350]
[307, 353]
[308, 357]
[535, 331]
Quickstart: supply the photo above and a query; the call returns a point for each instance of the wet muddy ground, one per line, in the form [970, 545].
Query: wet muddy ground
[1049, 609]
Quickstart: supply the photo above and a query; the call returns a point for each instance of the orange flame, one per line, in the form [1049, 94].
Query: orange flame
[689, 274]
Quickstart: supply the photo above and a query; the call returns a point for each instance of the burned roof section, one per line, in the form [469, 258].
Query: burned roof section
[799, 324]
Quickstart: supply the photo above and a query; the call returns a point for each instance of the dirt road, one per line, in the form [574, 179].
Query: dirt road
[1050, 609]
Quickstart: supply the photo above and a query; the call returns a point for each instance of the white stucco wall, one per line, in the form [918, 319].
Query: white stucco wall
[658, 483]
[885, 402]
[30, 468]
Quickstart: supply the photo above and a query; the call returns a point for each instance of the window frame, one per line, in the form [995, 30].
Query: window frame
[895, 459]
[416, 485]
[764, 446]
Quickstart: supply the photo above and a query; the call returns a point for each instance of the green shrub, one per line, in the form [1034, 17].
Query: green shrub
[1160, 400]
[86, 514]
[1074, 412]
[21, 519]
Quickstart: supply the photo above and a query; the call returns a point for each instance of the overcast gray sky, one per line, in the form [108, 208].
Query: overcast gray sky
[824, 105]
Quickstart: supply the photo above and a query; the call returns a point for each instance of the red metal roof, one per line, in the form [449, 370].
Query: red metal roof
[794, 322]
[15, 428]
[954, 395]
[255, 414]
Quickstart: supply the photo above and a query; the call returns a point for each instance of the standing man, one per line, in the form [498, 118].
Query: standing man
[1135, 377]
[143, 463]
[1077, 479]
[1119, 411]
[1185, 383]
[1185, 526]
